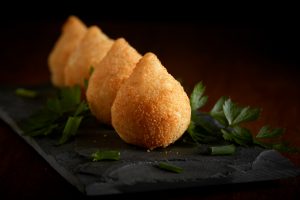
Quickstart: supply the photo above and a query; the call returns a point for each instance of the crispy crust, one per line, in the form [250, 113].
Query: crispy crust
[108, 77]
[72, 32]
[91, 50]
[151, 108]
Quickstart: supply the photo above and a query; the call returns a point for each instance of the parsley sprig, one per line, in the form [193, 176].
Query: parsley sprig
[62, 114]
[223, 124]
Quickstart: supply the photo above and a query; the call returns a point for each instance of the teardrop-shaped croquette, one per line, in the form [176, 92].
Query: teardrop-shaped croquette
[151, 108]
[91, 50]
[72, 32]
[108, 77]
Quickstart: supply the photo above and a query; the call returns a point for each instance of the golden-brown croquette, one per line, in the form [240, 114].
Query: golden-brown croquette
[108, 77]
[91, 50]
[151, 108]
[72, 32]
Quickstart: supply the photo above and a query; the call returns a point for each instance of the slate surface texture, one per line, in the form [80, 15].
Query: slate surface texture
[136, 170]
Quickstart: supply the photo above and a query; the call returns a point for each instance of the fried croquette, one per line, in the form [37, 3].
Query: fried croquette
[151, 108]
[108, 77]
[91, 50]
[72, 32]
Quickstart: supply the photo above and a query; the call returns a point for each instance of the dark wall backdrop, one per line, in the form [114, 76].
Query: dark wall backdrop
[183, 28]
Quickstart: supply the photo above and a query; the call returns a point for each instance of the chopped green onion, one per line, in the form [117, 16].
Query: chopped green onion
[70, 129]
[223, 150]
[105, 155]
[169, 167]
[26, 93]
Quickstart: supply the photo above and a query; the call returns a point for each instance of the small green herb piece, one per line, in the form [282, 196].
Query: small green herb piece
[203, 129]
[218, 107]
[223, 150]
[285, 147]
[231, 111]
[105, 155]
[226, 149]
[247, 114]
[169, 167]
[238, 135]
[70, 129]
[217, 111]
[192, 132]
[236, 115]
[267, 132]
[26, 93]
[197, 98]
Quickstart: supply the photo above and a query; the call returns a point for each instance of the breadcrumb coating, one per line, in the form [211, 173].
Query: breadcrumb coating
[151, 108]
[72, 32]
[90, 51]
[108, 77]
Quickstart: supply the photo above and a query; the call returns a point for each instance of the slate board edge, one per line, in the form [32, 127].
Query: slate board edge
[64, 173]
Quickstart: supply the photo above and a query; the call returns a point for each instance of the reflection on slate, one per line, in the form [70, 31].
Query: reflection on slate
[136, 170]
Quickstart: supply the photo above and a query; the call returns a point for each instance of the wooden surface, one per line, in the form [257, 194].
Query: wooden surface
[257, 66]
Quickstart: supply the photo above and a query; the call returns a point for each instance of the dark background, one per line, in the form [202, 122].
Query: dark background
[247, 51]
[268, 30]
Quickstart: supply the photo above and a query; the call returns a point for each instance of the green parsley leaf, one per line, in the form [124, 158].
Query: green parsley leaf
[169, 167]
[267, 132]
[238, 135]
[236, 115]
[197, 99]
[204, 121]
[231, 111]
[40, 120]
[105, 155]
[70, 97]
[43, 131]
[217, 111]
[62, 115]
[191, 130]
[247, 114]
[242, 136]
[227, 135]
[204, 129]
[285, 147]
[26, 93]
[218, 107]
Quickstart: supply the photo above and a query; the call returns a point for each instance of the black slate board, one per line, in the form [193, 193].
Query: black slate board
[136, 170]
